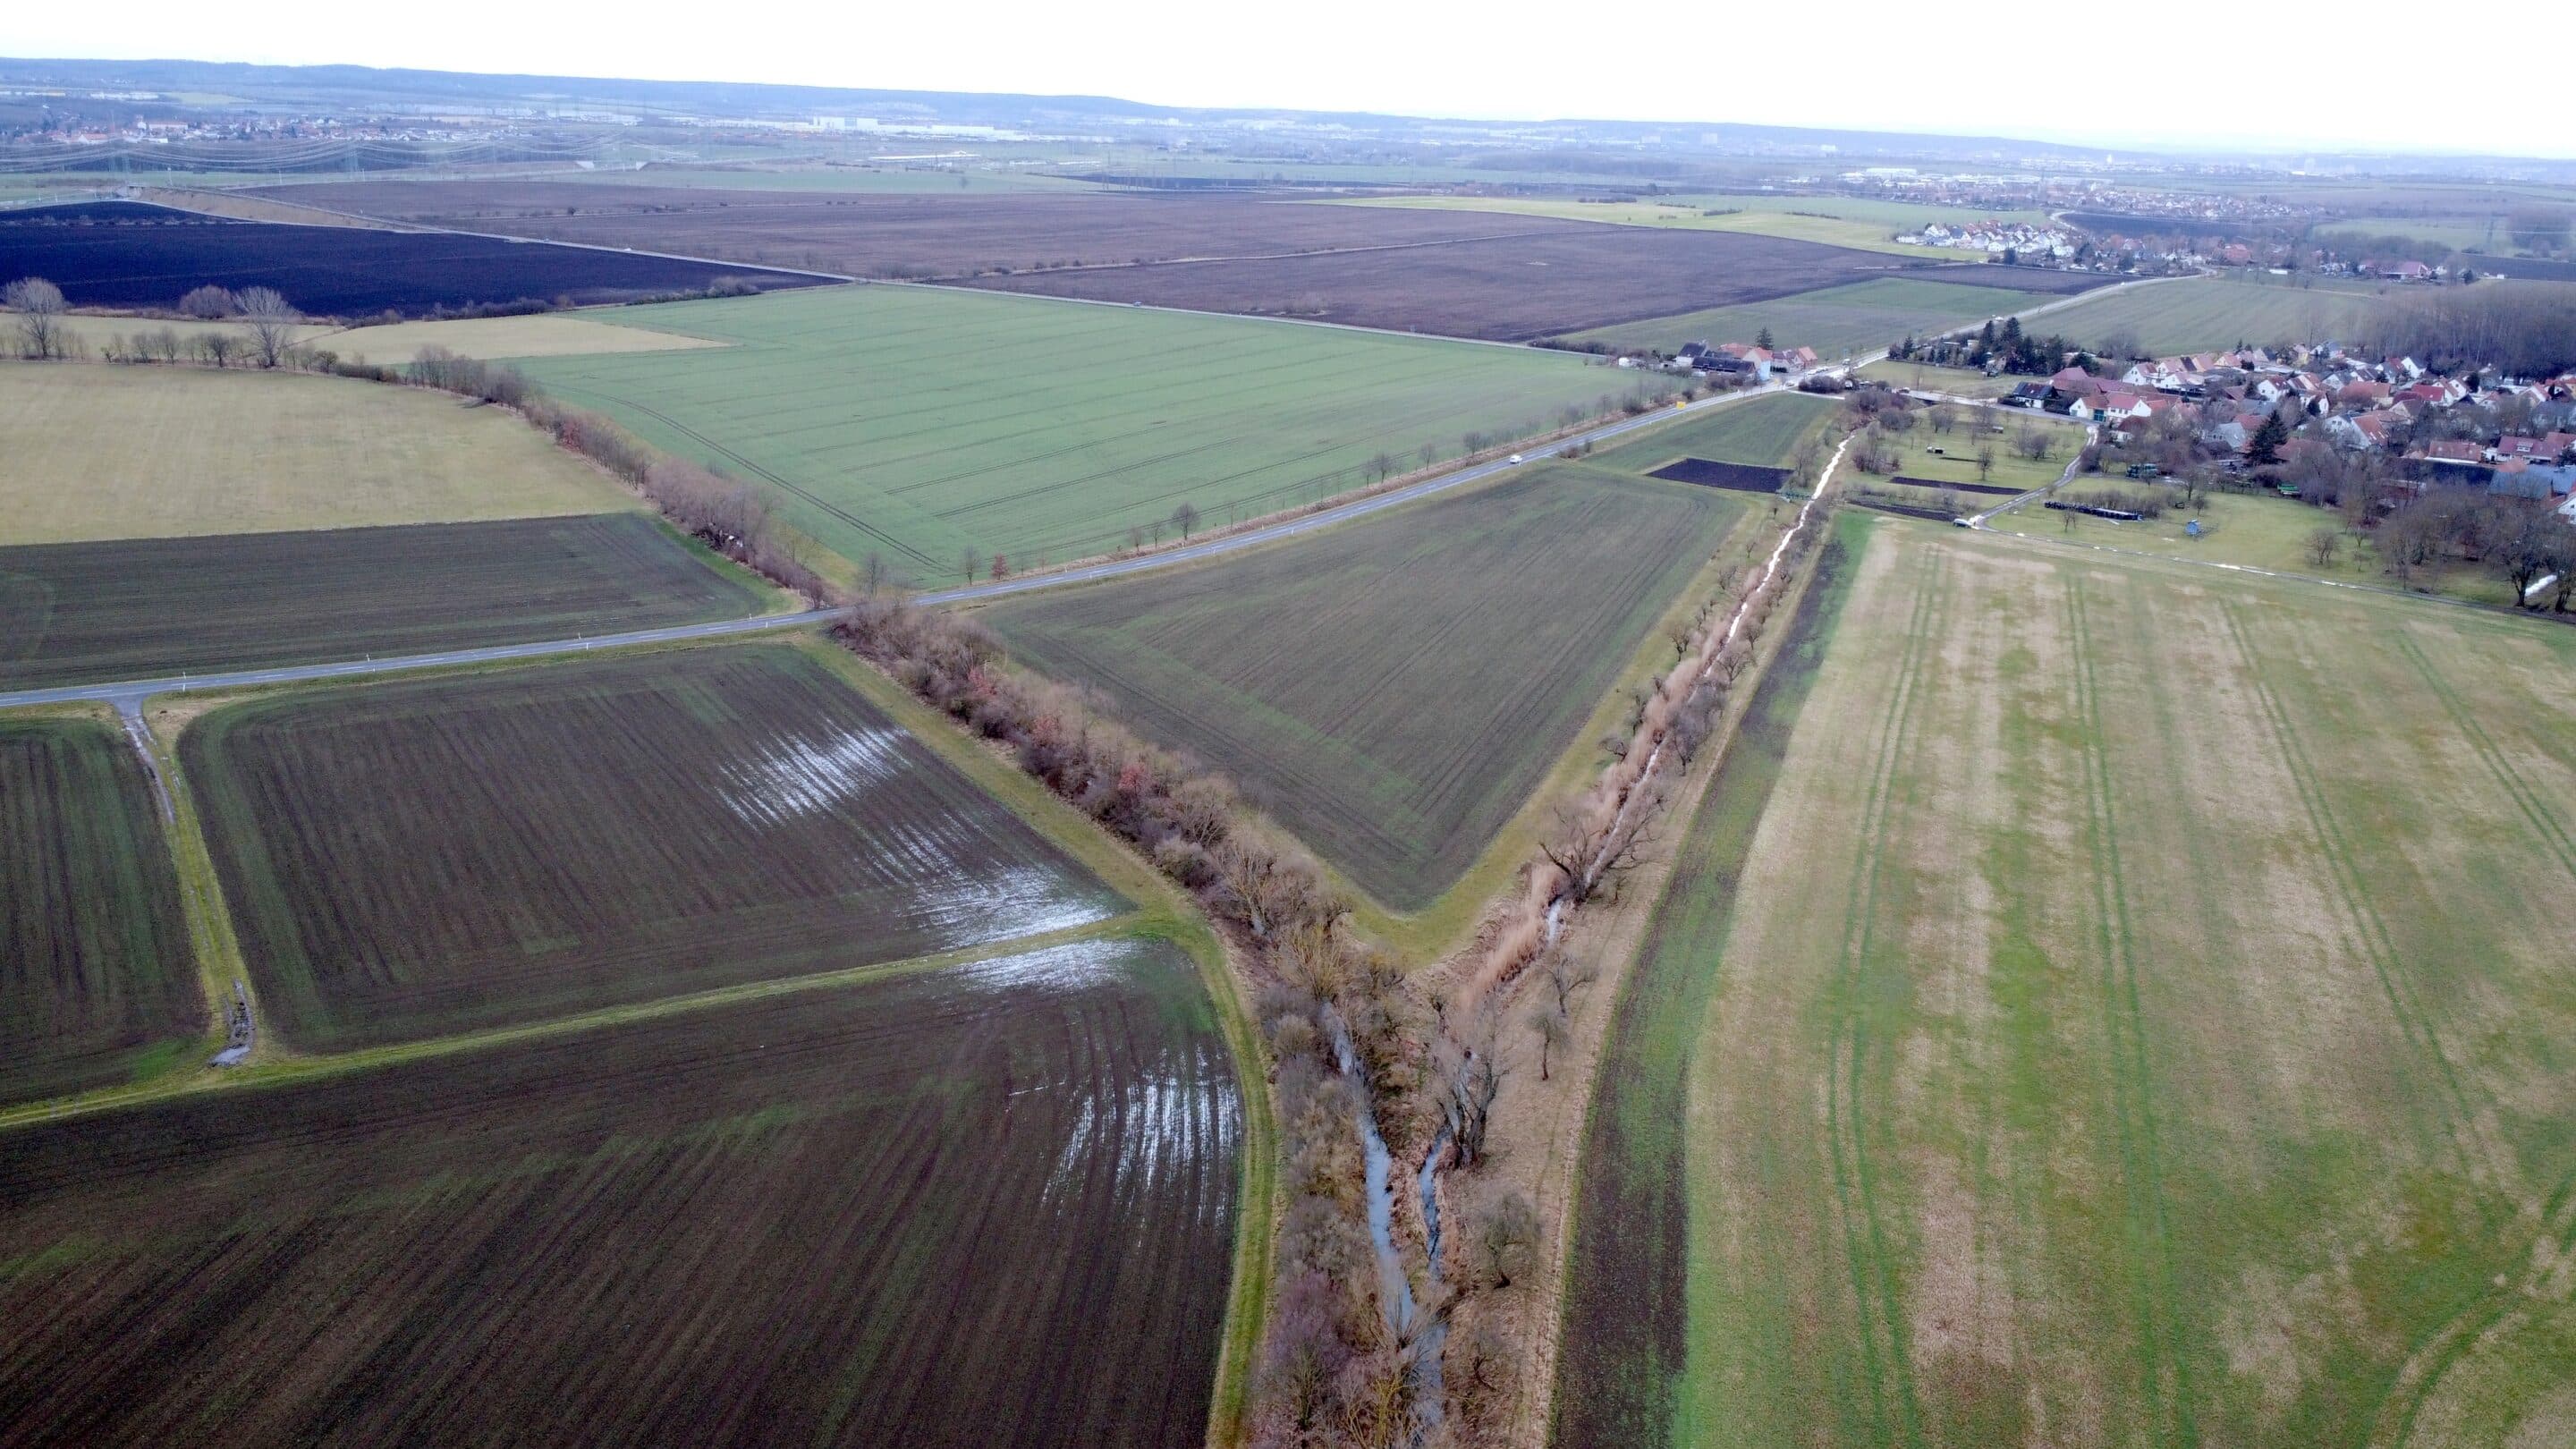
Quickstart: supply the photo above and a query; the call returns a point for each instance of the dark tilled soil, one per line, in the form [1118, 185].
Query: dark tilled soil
[124, 254]
[1468, 274]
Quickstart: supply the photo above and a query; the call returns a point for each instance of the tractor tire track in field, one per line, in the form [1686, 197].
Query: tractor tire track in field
[1893, 1407]
[2553, 836]
[2494, 1317]
[2161, 1366]
[2496, 1314]
[2482, 1162]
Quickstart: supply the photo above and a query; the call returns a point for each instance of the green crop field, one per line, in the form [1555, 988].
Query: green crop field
[77, 613]
[2138, 1014]
[2206, 313]
[98, 984]
[925, 424]
[1764, 431]
[985, 1205]
[1858, 317]
[1392, 690]
[412, 859]
[144, 452]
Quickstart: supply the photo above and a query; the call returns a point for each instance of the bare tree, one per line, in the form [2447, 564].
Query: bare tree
[966, 561]
[39, 305]
[1552, 1030]
[873, 572]
[1185, 518]
[1595, 854]
[1985, 461]
[208, 303]
[2324, 545]
[272, 320]
[2034, 444]
[2522, 547]
[1567, 976]
[1507, 1236]
[1466, 1075]
[219, 348]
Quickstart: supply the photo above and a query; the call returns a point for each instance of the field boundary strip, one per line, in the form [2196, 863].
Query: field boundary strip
[279, 1070]
[2480, 1160]
[2553, 837]
[2164, 1370]
[1868, 1258]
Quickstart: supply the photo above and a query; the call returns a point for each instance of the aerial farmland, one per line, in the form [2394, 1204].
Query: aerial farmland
[936, 428]
[2018, 993]
[749, 762]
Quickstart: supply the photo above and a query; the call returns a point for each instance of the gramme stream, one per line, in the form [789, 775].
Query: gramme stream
[1394, 1284]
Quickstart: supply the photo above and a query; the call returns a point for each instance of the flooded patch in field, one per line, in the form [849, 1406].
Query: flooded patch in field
[1002, 904]
[797, 776]
[1149, 1134]
[1073, 965]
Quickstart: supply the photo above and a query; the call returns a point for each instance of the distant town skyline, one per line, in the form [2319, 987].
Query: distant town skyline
[2337, 85]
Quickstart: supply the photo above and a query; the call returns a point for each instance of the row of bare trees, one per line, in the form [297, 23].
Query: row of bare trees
[1590, 846]
[1333, 1371]
[269, 326]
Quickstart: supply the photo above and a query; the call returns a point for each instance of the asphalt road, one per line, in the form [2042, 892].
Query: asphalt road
[127, 695]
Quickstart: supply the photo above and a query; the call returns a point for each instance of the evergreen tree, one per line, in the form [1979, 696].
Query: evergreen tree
[2268, 439]
[1762, 339]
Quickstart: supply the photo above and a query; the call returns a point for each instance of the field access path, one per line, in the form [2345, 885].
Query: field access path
[127, 695]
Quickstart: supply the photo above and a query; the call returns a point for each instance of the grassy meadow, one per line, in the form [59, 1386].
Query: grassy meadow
[1392, 690]
[1956, 381]
[543, 334]
[2139, 1016]
[98, 984]
[420, 858]
[150, 452]
[1764, 431]
[926, 424]
[1843, 221]
[2200, 314]
[1853, 318]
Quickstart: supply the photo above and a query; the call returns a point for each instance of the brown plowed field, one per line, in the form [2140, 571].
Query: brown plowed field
[991, 1205]
[97, 979]
[890, 235]
[1459, 273]
[1505, 289]
[412, 859]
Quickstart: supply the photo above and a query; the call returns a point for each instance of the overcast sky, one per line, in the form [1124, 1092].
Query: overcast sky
[2359, 75]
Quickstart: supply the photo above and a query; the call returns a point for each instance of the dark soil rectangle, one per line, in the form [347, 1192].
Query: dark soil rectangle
[989, 1206]
[440, 855]
[1742, 477]
[1393, 690]
[915, 235]
[84, 613]
[1467, 274]
[2020, 279]
[98, 981]
[1508, 289]
[127, 254]
[1996, 489]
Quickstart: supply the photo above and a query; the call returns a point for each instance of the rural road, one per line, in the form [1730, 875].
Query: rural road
[127, 695]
